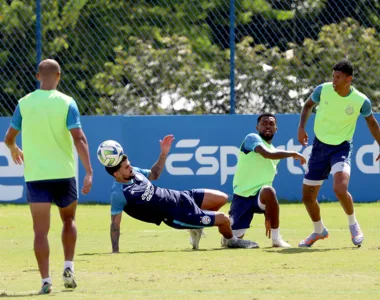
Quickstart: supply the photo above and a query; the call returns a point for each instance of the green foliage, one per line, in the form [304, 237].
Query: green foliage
[172, 57]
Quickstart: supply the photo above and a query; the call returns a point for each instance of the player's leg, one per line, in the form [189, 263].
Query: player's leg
[39, 198]
[241, 215]
[267, 202]
[206, 199]
[209, 199]
[341, 170]
[66, 199]
[318, 169]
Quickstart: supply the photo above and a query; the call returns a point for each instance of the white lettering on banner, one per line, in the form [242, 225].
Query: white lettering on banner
[10, 192]
[15, 192]
[211, 164]
[374, 167]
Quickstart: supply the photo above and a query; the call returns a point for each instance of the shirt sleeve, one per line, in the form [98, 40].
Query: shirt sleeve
[251, 141]
[118, 202]
[366, 109]
[145, 172]
[16, 121]
[316, 95]
[73, 117]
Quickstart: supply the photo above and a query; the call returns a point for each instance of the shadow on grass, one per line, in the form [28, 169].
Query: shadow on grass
[23, 295]
[303, 250]
[152, 251]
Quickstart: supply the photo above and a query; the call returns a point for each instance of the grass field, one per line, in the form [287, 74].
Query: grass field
[157, 263]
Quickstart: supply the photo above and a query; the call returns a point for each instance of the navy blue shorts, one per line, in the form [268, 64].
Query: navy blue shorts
[325, 158]
[188, 214]
[242, 210]
[62, 192]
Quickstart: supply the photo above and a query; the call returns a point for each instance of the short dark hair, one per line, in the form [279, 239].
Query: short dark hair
[265, 115]
[344, 66]
[116, 168]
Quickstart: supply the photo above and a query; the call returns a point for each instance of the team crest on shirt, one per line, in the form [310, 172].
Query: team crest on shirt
[349, 110]
[206, 220]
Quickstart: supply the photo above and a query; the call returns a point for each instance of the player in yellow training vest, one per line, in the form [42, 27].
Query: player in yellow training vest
[49, 121]
[255, 171]
[339, 106]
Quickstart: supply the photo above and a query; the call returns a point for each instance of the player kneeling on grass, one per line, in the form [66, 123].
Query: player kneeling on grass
[133, 193]
[255, 171]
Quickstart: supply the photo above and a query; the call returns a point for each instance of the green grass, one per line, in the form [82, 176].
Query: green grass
[157, 263]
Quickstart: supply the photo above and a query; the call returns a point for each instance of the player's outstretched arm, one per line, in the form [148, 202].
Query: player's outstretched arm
[157, 168]
[115, 232]
[305, 114]
[374, 128]
[279, 154]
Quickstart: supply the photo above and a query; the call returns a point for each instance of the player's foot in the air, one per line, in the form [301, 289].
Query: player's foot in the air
[195, 236]
[69, 279]
[280, 243]
[46, 288]
[311, 239]
[239, 243]
[357, 236]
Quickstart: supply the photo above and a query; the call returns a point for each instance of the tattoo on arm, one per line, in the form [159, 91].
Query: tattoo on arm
[115, 234]
[157, 168]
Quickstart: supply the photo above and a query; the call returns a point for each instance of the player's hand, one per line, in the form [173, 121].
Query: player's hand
[87, 184]
[302, 136]
[267, 228]
[166, 144]
[300, 157]
[17, 155]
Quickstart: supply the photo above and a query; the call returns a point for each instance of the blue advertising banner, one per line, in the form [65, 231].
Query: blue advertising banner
[203, 155]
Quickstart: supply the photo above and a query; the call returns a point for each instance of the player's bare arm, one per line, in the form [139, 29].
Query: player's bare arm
[10, 141]
[81, 145]
[305, 114]
[115, 232]
[157, 168]
[374, 128]
[279, 154]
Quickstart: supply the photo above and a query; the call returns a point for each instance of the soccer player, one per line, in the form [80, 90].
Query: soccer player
[340, 105]
[49, 121]
[255, 171]
[133, 193]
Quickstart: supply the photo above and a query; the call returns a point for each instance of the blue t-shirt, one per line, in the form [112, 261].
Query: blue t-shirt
[250, 142]
[365, 110]
[72, 121]
[118, 200]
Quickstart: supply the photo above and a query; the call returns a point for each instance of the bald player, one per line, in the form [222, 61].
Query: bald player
[48, 119]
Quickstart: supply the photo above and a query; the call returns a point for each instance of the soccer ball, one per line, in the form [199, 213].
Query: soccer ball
[110, 153]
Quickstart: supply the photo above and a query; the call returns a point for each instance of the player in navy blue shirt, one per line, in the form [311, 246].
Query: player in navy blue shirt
[133, 193]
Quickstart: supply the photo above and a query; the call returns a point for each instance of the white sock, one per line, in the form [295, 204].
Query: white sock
[318, 226]
[233, 239]
[275, 234]
[48, 280]
[69, 264]
[352, 219]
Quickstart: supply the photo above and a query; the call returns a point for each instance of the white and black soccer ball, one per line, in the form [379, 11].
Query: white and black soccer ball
[110, 153]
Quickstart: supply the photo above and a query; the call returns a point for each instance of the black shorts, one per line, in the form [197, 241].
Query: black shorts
[243, 209]
[62, 192]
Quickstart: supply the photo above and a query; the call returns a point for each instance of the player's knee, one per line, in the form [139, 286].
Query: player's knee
[222, 219]
[223, 198]
[68, 220]
[268, 193]
[340, 189]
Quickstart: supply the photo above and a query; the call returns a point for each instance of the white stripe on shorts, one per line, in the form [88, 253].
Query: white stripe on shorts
[312, 182]
[341, 167]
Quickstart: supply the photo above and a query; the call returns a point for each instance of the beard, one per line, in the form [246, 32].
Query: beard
[266, 137]
[129, 178]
